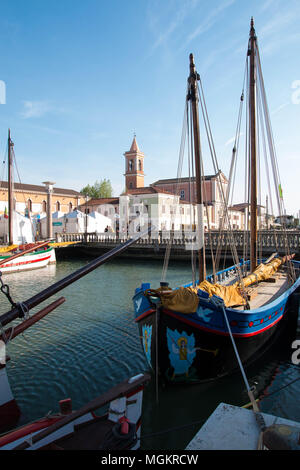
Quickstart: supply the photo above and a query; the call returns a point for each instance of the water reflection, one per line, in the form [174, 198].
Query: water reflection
[91, 343]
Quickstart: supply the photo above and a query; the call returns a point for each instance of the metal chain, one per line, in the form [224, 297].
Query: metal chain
[23, 309]
[5, 289]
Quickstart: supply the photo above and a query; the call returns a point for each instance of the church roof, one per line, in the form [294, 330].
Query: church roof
[134, 146]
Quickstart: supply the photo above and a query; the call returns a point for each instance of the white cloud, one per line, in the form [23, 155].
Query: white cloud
[33, 109]
[208, 22]
[164, 32]
[36, 109]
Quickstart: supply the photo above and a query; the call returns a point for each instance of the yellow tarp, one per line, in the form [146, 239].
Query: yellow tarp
[57, 244]
[185, 299]
[6, 249]
[262, 272]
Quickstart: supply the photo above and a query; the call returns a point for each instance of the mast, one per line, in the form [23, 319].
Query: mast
[253, 164]
[193, 96]
[10, 190]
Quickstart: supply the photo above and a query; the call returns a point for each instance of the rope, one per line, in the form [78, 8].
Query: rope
[179, 171]
[191, 192]
[274, 163]
[218, 302]
[221, 190]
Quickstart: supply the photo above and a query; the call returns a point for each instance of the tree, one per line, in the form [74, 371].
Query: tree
[102, 189]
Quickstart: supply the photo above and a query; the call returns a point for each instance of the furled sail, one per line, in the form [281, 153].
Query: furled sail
[185, 299]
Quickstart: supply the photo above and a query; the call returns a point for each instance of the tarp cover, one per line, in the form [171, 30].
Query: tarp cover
[185, 299]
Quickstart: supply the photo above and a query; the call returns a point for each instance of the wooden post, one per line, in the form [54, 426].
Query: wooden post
[253, 165]
[193, 96]
[10, 191]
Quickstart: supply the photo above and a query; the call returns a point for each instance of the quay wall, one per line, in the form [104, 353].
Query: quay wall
[154, 248]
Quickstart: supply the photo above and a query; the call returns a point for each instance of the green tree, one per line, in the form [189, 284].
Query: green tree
[99, 189]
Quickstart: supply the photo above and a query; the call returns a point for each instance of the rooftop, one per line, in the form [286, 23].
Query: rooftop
[148, 190]
[186, 179]
[40, 189]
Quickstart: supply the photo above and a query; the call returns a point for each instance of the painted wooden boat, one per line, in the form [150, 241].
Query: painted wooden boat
[195, 343]
[191, 348]
[10, 412]
[37, 259]
[119, 428]
[29, 255]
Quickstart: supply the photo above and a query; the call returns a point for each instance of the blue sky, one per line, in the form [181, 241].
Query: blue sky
[82, 77]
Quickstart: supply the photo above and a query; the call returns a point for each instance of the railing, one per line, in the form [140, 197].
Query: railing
[268, 240]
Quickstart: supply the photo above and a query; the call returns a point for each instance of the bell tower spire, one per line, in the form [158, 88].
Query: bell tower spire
[134, 166]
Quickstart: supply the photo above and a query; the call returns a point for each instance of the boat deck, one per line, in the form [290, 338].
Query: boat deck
[267, 291]
[86, 436]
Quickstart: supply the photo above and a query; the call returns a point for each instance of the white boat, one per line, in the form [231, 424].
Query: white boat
[28, 255]
[82, 429]
[33, 260]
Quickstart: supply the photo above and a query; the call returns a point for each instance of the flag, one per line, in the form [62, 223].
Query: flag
[5, 213]
[280, 191]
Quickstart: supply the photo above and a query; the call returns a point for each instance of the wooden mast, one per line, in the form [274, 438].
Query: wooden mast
[253, 164]
[193, 96]
[10, 191]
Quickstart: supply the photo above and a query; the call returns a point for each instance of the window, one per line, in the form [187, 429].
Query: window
[44, 206]
[140, 165]
[57, 206]
[70, 206]
[130, 165]
[182, 194]
[130, 185]
[29, 205]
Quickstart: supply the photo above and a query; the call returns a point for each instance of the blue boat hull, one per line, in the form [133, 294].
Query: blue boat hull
[191, 348]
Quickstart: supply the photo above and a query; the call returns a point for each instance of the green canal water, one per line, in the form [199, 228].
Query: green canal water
[91, 343]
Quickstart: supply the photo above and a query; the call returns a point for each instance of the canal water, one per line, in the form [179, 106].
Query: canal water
[91, 343]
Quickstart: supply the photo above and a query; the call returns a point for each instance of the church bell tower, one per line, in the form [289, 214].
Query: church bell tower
[134, 167]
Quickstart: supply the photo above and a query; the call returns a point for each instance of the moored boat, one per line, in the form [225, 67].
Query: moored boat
[21, 256]
[38, 256]
[118, 429]
[9, 410]
[187, 332]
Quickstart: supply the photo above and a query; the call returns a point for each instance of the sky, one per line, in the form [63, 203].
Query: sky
[78, 79]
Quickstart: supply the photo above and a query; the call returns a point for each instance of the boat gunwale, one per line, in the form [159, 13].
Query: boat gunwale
[28, 254]
[234, 314]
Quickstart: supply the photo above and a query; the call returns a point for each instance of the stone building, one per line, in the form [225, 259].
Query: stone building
[168, 203]
[33, 198]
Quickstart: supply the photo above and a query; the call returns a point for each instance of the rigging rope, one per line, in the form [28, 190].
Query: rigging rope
[221, 189]
[179, 171]
[274, 164]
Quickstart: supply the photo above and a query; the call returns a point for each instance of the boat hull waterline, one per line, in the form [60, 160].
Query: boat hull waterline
[193, 348]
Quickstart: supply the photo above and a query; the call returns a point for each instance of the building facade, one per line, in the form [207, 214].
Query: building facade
[29, 198]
